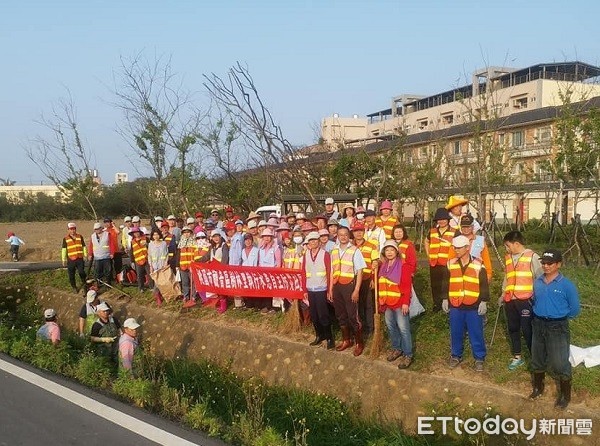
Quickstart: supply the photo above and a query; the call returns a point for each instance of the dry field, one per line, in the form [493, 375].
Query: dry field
[43, 241]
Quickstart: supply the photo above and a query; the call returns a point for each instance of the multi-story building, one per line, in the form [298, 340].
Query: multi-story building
[514, 109]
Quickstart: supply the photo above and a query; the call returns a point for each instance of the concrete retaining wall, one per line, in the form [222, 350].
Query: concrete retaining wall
[379, 387]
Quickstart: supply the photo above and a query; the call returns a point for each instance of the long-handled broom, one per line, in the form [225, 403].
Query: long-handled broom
[377, 334]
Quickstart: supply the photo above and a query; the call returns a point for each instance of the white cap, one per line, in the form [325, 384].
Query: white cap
[216, 232]
[131, 323]
[103, 307]
[91, 296]
[49, 313]
[262, 223]
[312, 236]
[126, 219]
[200, 234]
[300, 216]
[71, 225]
[97, 225]
[329, 200]
[252, 224]
[460, 241]
[135, 218]
[190, 220]
[171, 217]
[158, 218]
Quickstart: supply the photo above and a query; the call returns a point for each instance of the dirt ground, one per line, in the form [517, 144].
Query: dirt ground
[43, 241]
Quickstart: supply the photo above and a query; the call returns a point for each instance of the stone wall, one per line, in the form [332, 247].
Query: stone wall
[379, 387]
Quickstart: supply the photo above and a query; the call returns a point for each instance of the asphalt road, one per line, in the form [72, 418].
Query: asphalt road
[41, 409]
[29, 266]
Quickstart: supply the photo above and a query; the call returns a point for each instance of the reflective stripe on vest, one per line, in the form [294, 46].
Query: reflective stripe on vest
[367, 251]
[389, 292]
[74, 247]
[343, 267]
[101, 245]
[290, 258]
[463, 288]
[403, 247]
[519, 277]
[316, 274]
[139, 250]
[186, 256]
[387, 226]
[439, 246]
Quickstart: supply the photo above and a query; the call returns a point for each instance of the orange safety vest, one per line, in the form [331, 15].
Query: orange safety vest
[519, 277]
[439, 246]
[343, 267]
[74, 247]
[403, 247]
[387, 225]
[139, 250]
[367, 251]
[201, 252]
[186, 257]
[389, 292]
[464, 287]
[290, 258]
[168, 239]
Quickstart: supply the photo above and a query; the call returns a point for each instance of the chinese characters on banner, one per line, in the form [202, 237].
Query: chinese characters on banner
[248, 281]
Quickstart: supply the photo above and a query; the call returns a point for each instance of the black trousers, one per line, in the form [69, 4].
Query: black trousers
[366, 306]
[518, 317]
[437, 274]
[346, 311]
[75, 265]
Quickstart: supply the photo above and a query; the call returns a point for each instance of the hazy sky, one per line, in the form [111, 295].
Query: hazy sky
[310, 59]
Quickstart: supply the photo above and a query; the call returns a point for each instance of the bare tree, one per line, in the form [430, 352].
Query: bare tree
[161, 123]
[267, 146]
[62, 157]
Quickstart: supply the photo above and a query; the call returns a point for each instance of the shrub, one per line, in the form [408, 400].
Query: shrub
[94, 371]
[142, 392]
[22, 349]
[57, 359]
[199, 417]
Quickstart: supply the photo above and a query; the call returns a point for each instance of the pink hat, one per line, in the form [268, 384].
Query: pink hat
[273, 222]
[307, 226]
[360, 210]
[268, 232]
[283, 226]
[323, 232]
[386, 204]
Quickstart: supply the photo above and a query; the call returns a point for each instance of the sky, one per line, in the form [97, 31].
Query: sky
[309, 59]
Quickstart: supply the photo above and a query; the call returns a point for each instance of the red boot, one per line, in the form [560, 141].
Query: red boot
[346, 340]
[360, 345]
[222, 305]
[158, 298]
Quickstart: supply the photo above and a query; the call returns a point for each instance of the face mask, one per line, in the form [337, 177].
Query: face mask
[298, 240]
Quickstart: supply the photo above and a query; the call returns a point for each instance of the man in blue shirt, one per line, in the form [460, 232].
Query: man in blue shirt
[555, 301]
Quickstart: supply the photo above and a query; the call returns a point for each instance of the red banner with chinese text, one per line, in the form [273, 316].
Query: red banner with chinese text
[248, 281]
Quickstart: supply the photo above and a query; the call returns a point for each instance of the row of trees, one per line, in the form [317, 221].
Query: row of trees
[190, 155]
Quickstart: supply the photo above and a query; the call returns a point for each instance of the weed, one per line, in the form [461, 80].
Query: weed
[94, 371]
[199, 417]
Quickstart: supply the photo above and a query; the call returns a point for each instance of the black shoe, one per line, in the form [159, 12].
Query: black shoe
[317, 341]
[330, 344]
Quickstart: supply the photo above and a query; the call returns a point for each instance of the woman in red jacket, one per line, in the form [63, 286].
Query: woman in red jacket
[395, 284]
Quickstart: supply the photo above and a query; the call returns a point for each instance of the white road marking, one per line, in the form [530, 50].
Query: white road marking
[128, 422]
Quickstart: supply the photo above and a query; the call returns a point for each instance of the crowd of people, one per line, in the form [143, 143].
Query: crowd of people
[357, 263]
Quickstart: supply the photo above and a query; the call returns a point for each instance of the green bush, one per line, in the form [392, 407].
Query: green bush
[94, 371]
[199, 417]
[142, 392]
[57, 359]
[22, 349]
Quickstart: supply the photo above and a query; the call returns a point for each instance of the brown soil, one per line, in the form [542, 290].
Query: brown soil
[43, 241]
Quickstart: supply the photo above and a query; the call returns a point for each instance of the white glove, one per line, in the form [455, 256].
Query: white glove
[501, 301]
[445, 306]
[482, 308]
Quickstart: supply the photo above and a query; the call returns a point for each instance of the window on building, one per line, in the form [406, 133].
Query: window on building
[448, 118]
[501, 139]
[456, 148]
[518, 139]
[422, 123]
[423, 152]
[543, 134]
[518, 169]
[520, 102]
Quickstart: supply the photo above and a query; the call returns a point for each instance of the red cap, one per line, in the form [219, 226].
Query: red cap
[228, 209]
[358, 225]
[164, 224]
[199, 215]
[229, 226]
